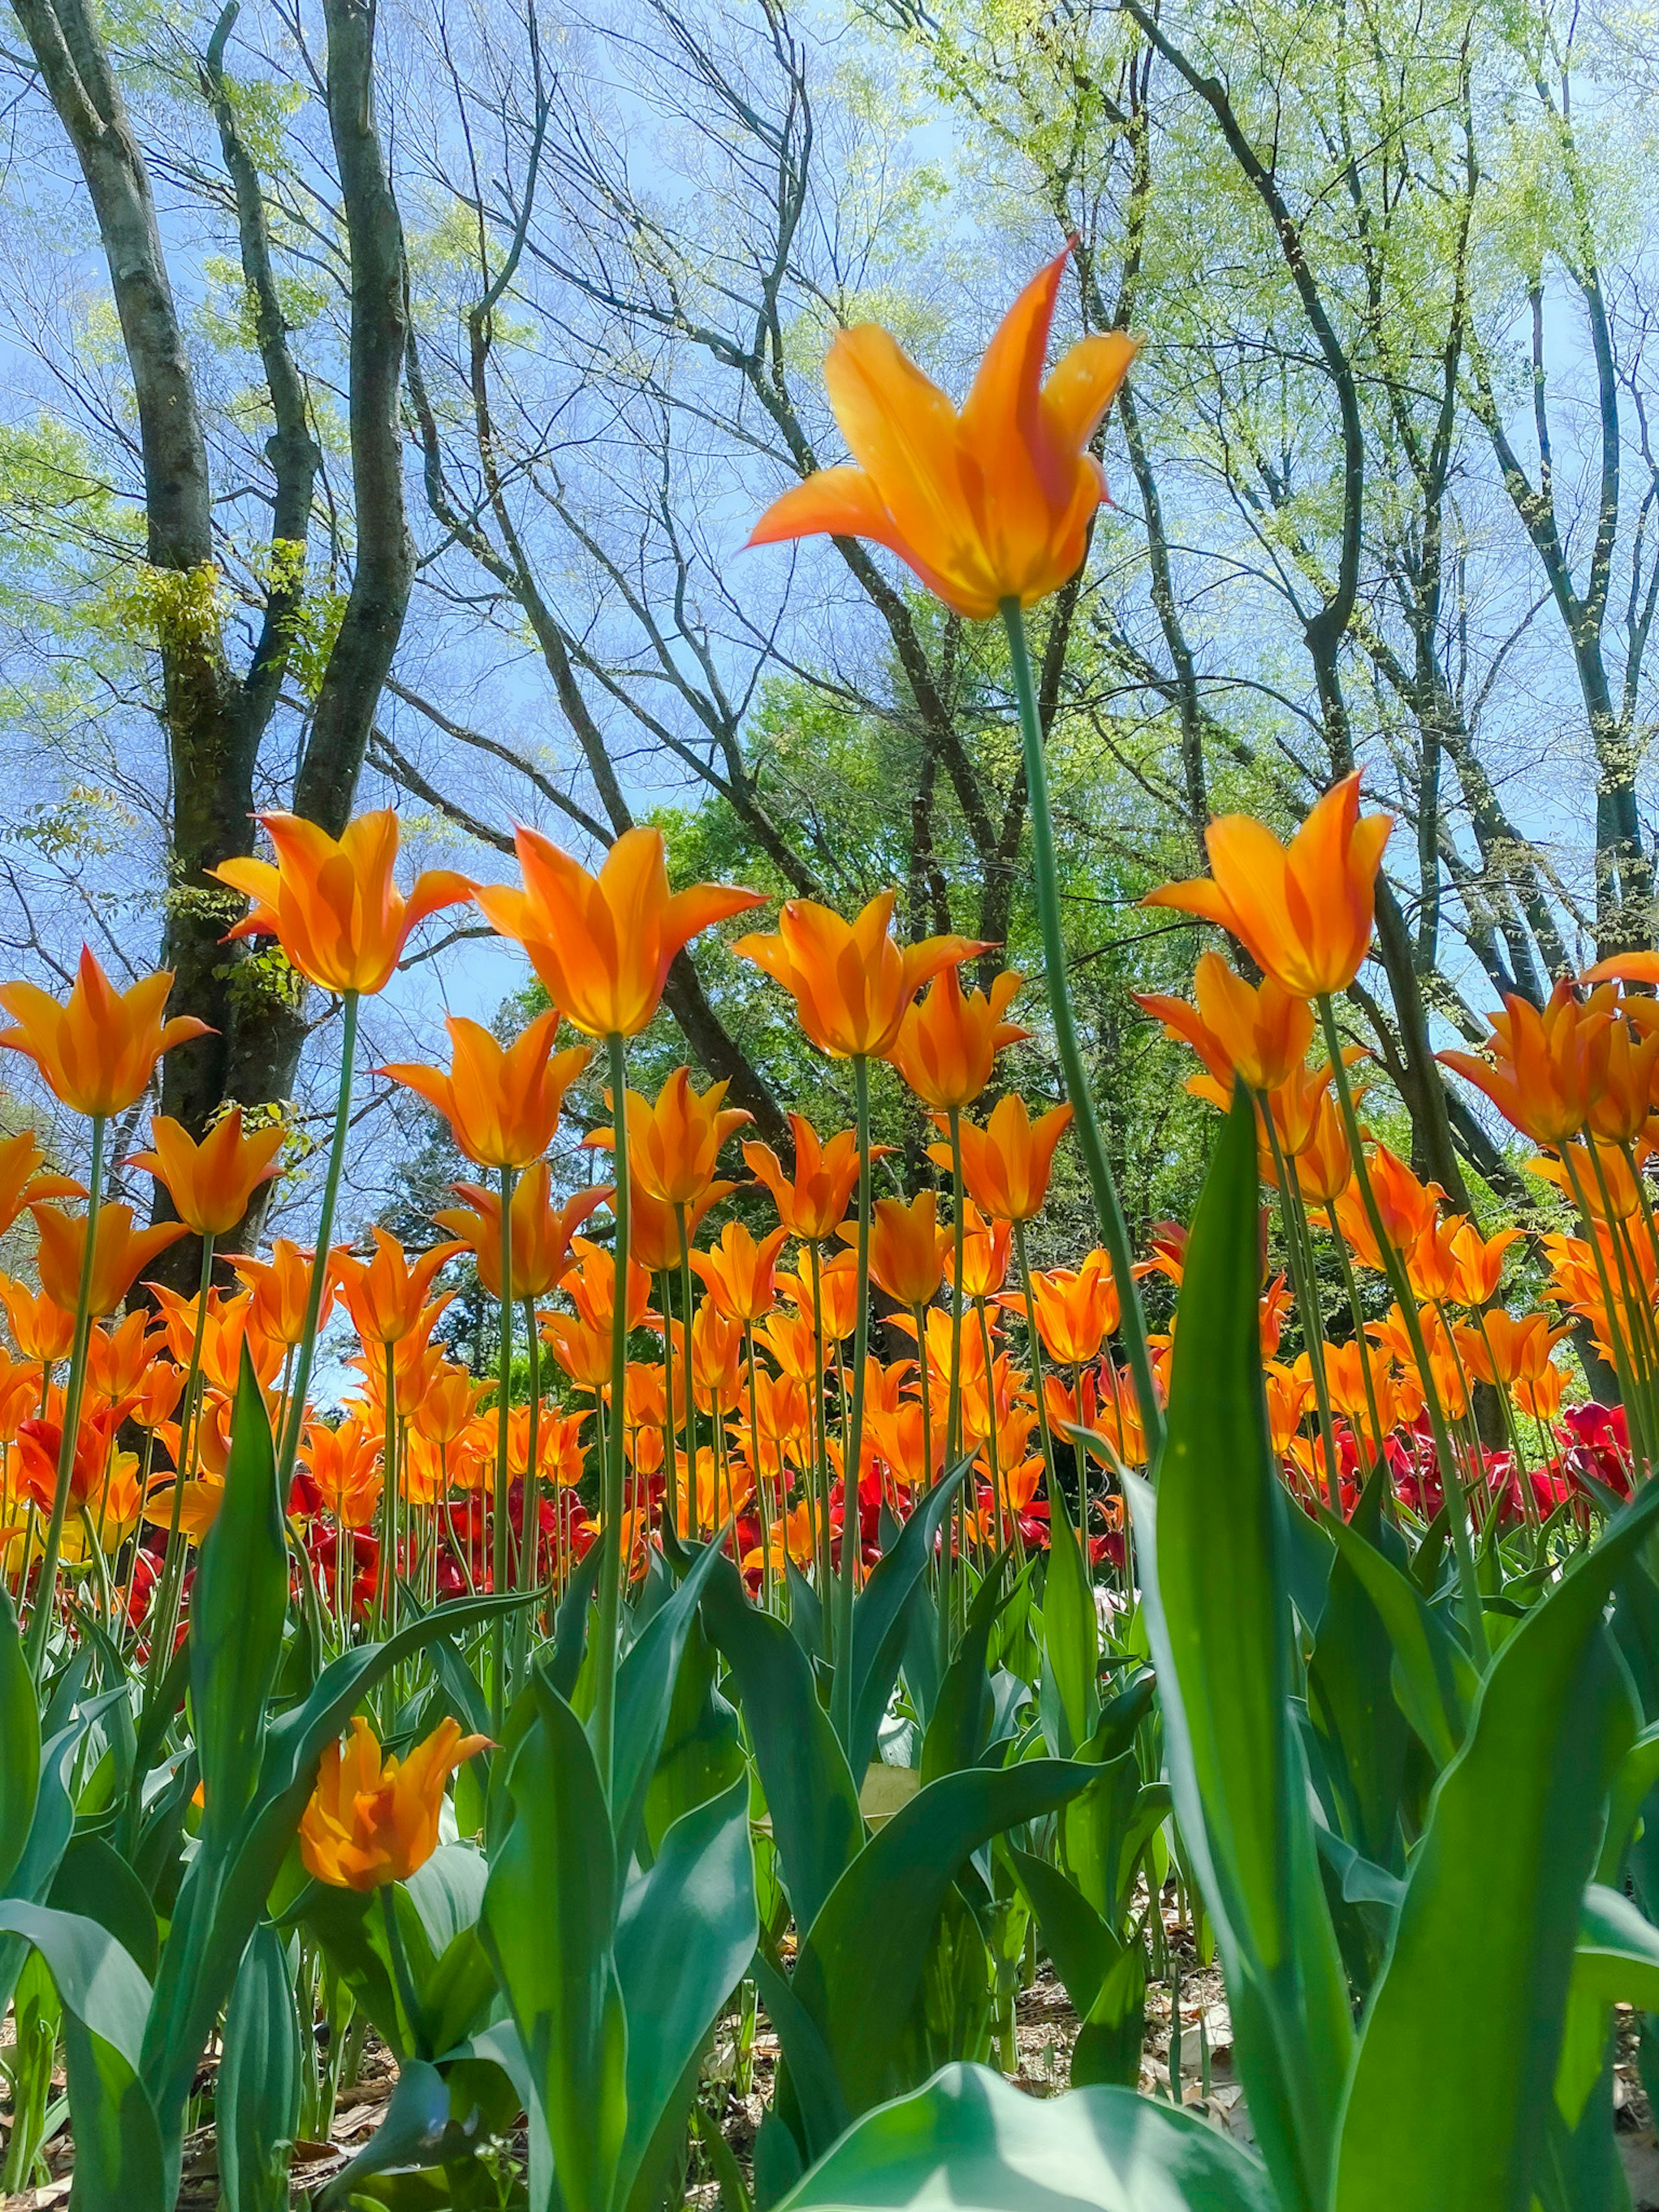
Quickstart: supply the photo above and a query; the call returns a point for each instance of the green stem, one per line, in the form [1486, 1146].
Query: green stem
[164, 1613]
[821, 1460]
[500, 1569]
[47, 1589]
[296, 1404]
[693, 1510]
[414, 2011]
[1305, 1284]
[855, 1449]
[1113, 1228]
[611, 1572]
[1457, 1507]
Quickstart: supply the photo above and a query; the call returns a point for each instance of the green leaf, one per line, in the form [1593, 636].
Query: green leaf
[1070, 1632]
[701, 1753]
[20, 1743]
[684, 1937]
[257, 2093]
[411, 2133]
[119, 2165]
[1464, 2024]
[810, 1791]
[1361, 1727]
[1215, 1589]
[1637, 1777]
[570, 1622]
[94, 1880]
[881, 1617]
[959, 1728]
[645, 1697]
[550, 1911]
[238, 1604]
[886, 1904]
[970, 2140]
[1434, 1678]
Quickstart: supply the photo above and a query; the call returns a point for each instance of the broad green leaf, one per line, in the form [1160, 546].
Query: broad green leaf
[890, 1897]
[1071, 1633]
[238, 1604]
[881, 1616]
[810, 1791]
[119, 2162]
[1434, 1678]
[645, 1697]
[685, 1935]
[1464, 2024]
[809, 2106]
[1215, 1589]
[411, 2132]
[256, 2093]
[1637, 1777]
[1360, 1725]
[971, 2141]
[94, 1880]
[550, 1911]
[20, 1743]
[701, 1753]
[960, 1727]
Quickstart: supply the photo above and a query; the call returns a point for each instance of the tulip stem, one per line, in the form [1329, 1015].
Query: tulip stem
[398, 1958]
[1305, 1283]
[1113, 1228]
[296, 1404]
[611, 1572]
[47, 1589]
[1457, 1510]
[167, 1598]
[850, 1520]
[693, 1509]
[500, 1577]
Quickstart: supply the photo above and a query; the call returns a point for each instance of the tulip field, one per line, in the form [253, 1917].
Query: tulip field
[829, 1618]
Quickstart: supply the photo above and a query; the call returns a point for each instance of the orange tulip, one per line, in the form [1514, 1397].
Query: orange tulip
[741, 1275]
[344, 1463]
[851, 985]
[98, 1050]
[897, 1436]
[672, 1145]
[21, 1182]
[1620, 1198]
[592, 1289]
[906, 1248]
[1007, 1164]
[156, 1397]
[446, 1403]
[1543, 1070]
[118, 1359]
[948, 1042]
[716, 1358]
[19, 1396]
[373, 1820]
[198, 1503]
[791, 1340]
[281, 1286]
[502, 1102]
[1303, 913]
[212, 1183]
[331, 903]
[1539, 1396]
[542, 1232]
[39, 1441]
[985, 1247]
[1622, 1078]
[1324, 1166]
[1479, 1263]
[584, 1352]
[41, 1329]
[990, 504]
[119, 1255]
[838, 1288]
[1076, 1308]
[1506, 1351]
[812, 1203]
[1288, 1397]
[385, 1295]
[1261, 1035]
[602, 943]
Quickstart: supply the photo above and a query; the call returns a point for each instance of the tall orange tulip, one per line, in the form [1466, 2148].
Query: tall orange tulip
[988, 504]
[811, 1203]
[502, 1102]
[119, 1255]
[210, 1183]
[906, 1248]
[541, 1232]
[385, 1295]
[653, 1226]
[1541, 1075]
[741, 1275]
[281, 1286]
[373, 1820]
[672, 1145]
[42, 1329]
[1304, 913]
[331, 902]
[98, 1050]
[1007, 1164]
[1263, 1033]
[948, 1042]
[852, 984]
[602, 943]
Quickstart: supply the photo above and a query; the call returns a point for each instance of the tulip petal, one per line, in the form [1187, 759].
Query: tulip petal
[1083, 383]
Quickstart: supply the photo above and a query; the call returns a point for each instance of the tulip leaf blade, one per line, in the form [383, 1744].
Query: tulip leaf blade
[257, 2092]
[897, 1884]
[810, 1790]
[1215, 1597]
[685, 1935]
[645, 1697]
[1070, 1635]
[881, 1617]
[1551, 1724]
[238, 1606]
[547, 1924]
[1434, 1678]
[20, 1743]
[968, 2137]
